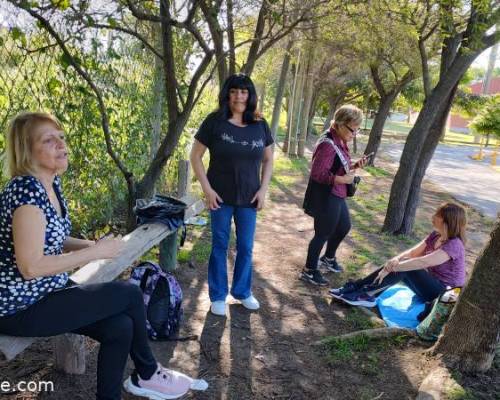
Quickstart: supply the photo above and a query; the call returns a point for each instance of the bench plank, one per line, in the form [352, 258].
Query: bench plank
[137, 243]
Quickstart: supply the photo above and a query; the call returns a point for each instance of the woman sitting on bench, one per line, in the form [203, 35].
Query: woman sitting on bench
[36, 297]
[427, 269]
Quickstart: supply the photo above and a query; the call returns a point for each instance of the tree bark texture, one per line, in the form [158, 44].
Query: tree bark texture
[298, 107]
[472, 333]
[432, 109]
[280, 90]
[375, 137]
[308, 95]
[333, 103]
[157, 95]
[436, 132]
[257, 39]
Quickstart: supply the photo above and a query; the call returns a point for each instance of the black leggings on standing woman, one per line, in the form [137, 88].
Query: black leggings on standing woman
[330, 227]
[111, 313]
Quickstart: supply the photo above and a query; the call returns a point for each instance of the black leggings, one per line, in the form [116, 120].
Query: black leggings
[420, 281]
[330, 227]
[111, 313]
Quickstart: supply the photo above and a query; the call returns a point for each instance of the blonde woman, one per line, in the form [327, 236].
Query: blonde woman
[331, 172]
[36, 297]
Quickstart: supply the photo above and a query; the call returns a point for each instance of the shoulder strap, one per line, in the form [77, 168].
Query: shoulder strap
[343, 160]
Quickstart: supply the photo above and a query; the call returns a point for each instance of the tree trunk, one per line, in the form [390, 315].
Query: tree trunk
[230, 37]
[333, 103]
[280, 90]
[312, 111]
[472, 333]
[432, 108]
[298, 108]
[157, 94]
[377, 130]
[211, 11]
[261, 101]
[329, 117]
[308, 94]
[257, 39]
[286, 142]
[436, 132]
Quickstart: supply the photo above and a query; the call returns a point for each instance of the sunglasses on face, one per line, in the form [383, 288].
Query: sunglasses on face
[354, 131]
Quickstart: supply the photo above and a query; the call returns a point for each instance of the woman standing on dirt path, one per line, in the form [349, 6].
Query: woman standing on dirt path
[37, 299]
[327, 190]
[241, 163]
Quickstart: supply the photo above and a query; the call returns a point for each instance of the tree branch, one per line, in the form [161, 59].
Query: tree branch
[190, 99]
[129, 32]
[85, 76]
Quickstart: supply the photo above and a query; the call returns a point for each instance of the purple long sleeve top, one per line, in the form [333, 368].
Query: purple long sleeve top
[322, 161]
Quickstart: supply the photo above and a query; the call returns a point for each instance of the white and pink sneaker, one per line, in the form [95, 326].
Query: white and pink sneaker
[164, 384]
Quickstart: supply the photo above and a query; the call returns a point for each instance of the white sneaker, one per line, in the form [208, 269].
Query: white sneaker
[218, 308]
[251, 303]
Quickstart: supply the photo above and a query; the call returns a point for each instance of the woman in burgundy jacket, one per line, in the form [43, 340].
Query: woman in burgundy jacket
[331, 172]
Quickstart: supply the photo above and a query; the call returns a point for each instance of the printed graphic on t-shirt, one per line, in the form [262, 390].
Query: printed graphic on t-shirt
[254, 143]
[236, 154]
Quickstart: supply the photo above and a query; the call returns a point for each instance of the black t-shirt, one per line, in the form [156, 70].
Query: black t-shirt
[235, 157]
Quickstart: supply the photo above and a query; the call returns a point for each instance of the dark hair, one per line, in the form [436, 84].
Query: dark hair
[238, 81]
[455, 218]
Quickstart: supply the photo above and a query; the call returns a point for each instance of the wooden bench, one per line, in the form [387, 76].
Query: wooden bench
[69, 349]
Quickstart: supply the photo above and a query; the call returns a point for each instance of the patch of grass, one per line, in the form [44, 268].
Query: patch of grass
[290, 165]
[183, 255]
[358, 320]
[378, 172]
[459, 393]
[286, 180]
[201, 243]
[362, 351]
[339, 350]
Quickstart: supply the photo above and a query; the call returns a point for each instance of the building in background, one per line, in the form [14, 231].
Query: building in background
[458, 123]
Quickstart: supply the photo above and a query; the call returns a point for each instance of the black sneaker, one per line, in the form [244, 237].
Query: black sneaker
[313, 276]
[358, 299]
[349, 287]
[330, 264]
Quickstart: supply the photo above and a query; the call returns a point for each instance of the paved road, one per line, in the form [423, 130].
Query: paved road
[473, 182]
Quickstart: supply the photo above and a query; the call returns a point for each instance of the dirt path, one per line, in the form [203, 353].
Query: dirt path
[268, 354]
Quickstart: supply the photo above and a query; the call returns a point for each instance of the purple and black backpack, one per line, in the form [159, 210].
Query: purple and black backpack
[162, 300]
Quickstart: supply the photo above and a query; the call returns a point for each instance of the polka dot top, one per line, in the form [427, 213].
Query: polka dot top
[17, 293]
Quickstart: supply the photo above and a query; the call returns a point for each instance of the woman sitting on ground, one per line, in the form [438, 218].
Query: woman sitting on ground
[36, 297]
[428, 268]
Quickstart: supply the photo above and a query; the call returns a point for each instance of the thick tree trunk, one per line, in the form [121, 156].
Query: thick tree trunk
[280, 90]
[472, 333]
[433, 107]
[436, 132]
[377, 130]
[456, 58]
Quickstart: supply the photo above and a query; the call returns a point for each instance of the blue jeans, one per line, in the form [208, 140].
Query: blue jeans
[245, 220]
